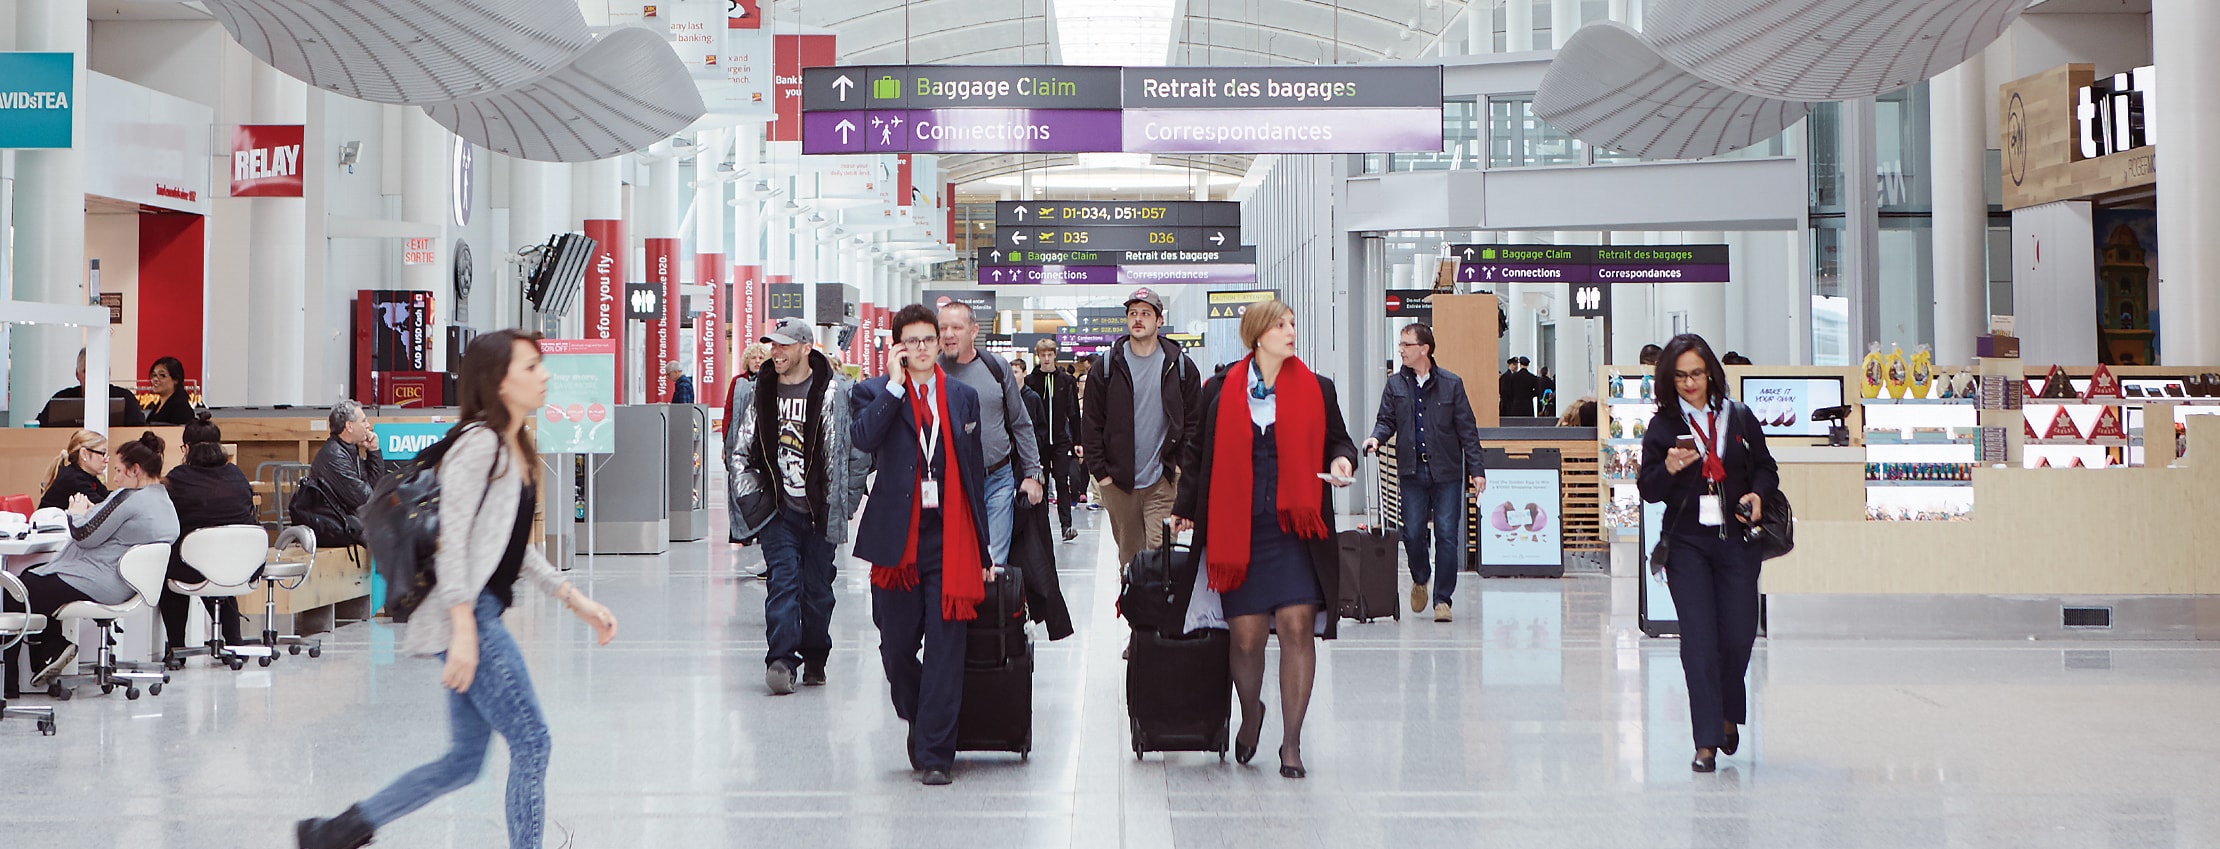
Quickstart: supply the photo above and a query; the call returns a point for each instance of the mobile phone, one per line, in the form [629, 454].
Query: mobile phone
[1688, 441]
[1330, 477]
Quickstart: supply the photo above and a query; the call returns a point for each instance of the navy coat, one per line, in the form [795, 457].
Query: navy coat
[884, 427]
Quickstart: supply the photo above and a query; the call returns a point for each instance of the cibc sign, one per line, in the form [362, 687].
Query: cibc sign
[266, 161]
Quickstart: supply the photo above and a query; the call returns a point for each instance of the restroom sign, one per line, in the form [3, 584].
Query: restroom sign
[266, 161]
[1591, 300]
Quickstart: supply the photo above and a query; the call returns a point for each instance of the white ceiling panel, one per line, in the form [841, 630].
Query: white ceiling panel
[1824, 49]
[629, 91]
[1611, 89]
[408, 51]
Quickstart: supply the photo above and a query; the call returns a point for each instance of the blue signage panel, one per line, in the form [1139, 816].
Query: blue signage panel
[37, 92]
[401, 441]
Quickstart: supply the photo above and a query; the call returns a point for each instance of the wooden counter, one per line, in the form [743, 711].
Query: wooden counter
[27, 454]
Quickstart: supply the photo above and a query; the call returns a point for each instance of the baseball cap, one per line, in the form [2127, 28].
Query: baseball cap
[1145, 295]
[791, 331]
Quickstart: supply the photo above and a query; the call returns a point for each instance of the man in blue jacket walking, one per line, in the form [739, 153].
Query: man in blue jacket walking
[924, 532]
[1437, 447]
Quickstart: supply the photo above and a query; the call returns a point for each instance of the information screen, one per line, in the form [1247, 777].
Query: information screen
[1784, 404]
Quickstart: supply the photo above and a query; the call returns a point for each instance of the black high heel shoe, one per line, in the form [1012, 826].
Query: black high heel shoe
[1245, 752]
[1704, 762]
[1733, 743]
[1287, 771]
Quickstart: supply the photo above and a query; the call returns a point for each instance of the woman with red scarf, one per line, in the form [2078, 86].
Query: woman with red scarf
[1252, 490]
[923, 532]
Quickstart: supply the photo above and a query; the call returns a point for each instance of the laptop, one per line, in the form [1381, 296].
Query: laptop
[70, 412]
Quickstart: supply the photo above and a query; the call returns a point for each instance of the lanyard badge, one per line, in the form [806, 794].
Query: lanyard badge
[928, 442]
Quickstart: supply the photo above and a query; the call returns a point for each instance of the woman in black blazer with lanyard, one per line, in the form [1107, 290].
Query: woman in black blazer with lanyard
[1704, 456]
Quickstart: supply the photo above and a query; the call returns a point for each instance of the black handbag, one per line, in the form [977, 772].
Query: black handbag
[1154, 589]
[401, 528]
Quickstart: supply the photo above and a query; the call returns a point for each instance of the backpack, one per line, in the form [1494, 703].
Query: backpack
[400, 526]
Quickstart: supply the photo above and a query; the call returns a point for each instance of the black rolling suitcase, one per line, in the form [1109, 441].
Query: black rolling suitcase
[997, 710]
[1368, 566]
[1179, 692]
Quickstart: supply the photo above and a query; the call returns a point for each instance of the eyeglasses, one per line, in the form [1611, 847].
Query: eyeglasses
[100, 451]
[1689, 376]
[1410, 344]
[920, 341]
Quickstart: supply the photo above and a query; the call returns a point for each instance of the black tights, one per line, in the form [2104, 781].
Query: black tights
[1298, 671]
[174, 607]
[48, 594]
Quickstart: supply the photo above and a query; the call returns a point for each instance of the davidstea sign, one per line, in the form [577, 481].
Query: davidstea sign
[402, 441]
[37, 92]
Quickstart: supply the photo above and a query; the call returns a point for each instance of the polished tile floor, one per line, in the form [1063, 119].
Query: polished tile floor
[1539, 718]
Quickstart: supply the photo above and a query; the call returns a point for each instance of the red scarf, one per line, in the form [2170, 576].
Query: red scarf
[1299, 433]
[962, 586]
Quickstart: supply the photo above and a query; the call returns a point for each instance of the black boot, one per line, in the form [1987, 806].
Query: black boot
[346, 831]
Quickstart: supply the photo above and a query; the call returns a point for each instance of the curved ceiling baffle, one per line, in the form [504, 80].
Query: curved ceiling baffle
[1704, 75]
[1824, 49]
[627, 92]
[1608, 88]
[408, 51]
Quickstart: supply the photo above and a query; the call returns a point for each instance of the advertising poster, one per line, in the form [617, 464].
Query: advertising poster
[580, 415]
[2127, 286]
[1784, 405]
[402, 441]
[1519, 522]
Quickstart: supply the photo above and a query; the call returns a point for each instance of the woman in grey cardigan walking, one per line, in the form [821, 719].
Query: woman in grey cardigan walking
[488, 481]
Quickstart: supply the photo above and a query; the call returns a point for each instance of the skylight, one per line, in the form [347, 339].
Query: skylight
[1114, 32]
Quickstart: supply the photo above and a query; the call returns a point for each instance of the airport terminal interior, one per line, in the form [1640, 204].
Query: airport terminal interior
[1735, 423]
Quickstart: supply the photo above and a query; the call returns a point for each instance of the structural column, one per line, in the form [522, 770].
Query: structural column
[1518, 26]
[2185, 124]
[277, 261]
[50, 221]
[658, 212]
[1957, 115]
[600, 186]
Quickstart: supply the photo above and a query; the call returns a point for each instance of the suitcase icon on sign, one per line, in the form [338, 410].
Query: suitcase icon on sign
[887, 88]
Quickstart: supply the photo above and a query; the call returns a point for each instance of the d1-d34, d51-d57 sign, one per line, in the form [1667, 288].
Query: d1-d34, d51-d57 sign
[1057, 109]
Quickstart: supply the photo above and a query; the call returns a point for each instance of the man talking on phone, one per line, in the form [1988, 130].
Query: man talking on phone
[1437, 448]
[923, 532]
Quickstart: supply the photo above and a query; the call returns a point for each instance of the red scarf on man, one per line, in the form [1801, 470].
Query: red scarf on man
[962, 586]
[1299, 433]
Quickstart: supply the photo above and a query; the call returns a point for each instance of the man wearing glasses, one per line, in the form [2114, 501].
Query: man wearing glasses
[1136, 422]
[1437, 447]
[923, 532]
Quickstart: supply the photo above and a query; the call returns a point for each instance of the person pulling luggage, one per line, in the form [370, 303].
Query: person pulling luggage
[923, 532]
[1437, 440]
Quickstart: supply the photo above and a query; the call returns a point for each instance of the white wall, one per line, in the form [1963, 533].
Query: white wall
[2054, 282]
[172, 57]
[113, 238]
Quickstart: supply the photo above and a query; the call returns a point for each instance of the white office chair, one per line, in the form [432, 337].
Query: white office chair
[227, 556]
[143, 568]
[289, 574]
[15, 627]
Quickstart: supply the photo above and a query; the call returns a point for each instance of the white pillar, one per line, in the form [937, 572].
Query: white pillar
[276, 262]
[1957, 115]
[1564, 18]
[49, 223]
[1479, 29]
[2186, 122]
[1518, 26]
[425, 190]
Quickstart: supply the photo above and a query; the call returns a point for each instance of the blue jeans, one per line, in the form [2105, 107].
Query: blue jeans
[1001, 508]
[1441, 505]
[500, 699]
[797, 614]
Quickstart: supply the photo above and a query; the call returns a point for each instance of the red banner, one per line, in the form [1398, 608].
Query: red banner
[879, 349]
[744, 14]
[662, 336]
[950, 232]
[904, 180]
[605, 288]
[747, 288]
[266, 161]
[792, 54]
[712, 352]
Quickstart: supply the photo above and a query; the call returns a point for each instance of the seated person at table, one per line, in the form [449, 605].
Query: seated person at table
[90, 565]
[207, 491]
[77, 472]
[132, 415]
[330, 499]
[172, 406]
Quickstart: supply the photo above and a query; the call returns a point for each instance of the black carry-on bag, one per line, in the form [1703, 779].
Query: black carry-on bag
[997, 710]
[1179, 692]
[1368, 566]
[1153, 589]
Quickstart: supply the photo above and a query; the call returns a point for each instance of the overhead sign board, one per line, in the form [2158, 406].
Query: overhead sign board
[1115, 238]
[1410, 303]
[998, 256]
[1101, 320]
[1572, 264]
[38, 92]
[1591, 300]
[981, 301]
[1060, 109]
[784, 300]
[1113, 213]
[960, 87]
[1053, 275]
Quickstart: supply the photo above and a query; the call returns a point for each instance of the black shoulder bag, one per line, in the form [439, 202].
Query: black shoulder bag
[400, 526]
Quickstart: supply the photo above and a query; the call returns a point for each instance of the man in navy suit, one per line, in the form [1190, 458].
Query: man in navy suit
[924, 532]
